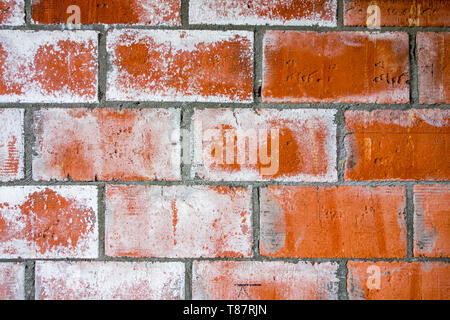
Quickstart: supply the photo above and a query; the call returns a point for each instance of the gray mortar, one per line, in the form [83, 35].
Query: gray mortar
[186, 116]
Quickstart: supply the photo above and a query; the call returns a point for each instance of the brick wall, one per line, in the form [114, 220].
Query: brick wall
[212, 149]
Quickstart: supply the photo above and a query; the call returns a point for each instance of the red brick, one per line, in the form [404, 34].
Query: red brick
[398, 145]
[303, 148]
[12, 278]
[48, 66]
[178, 221]
[253, 280]
[336, 67]
[109, 280]
[140, 12]
[259, 12]
[398, 280]
[333, 222]
[434, 67]
[107, 144]
[48, 222]
[412, 13]
[432, 221]
[11, 144]
[176, 65]
[12, 12]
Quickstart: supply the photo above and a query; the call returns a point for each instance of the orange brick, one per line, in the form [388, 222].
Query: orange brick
[434, 67]
[432, 221]
[336, 67]
[178, 221]
[268, 144]
[398, 280]
[176, 65]
[12, 278]
[412, 13]
[333, 222]
[97, 280]
[48, 222]
[48, 66]
[12, 12]
[107, 144]
[143, 12]
[11, 144]
[253, 280]
[260, 12]
[398, 145]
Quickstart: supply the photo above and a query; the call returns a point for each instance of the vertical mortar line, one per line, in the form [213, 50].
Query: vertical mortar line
[29, 280]
[413, 78]
[342, 276]
[185, 140]
[28, 21]
[256, 221]
[258, 35]
[410, 221]
[188, 280]
[29, 140]
[340, 14]
[184, 13]
[341, 131]
[102, 65]
[101, 207]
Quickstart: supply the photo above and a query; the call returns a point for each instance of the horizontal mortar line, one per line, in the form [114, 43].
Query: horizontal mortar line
[212, 259]
[219, 27]
[221, 183]
[218, 105]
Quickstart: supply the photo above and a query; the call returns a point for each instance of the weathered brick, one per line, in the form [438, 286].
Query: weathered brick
[12, 278]
[12, 12]
[303, 148]
[253, 280]
[262, 12]
[11, 144]
[412, 13]
[48, 66]
[107, 144]
[432, 221]
[175, 65]
[140, 12]
[434, 66]
[398, 280]
[398, 145]
[178, 221]
[109, 280]
[48, 222]
[333, 222]
[336, 67]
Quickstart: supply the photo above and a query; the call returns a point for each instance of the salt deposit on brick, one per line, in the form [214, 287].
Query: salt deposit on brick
[48, 222]
[107, 144]
[178, 221]
[130, 12]
[285, 12]
[270, 280]
[12, 12]
[12, 278]
[163, 65]
[11, 144]
[109, 280]
[48, 66]
[306, 148]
